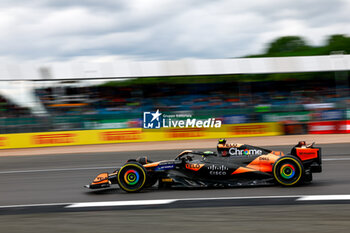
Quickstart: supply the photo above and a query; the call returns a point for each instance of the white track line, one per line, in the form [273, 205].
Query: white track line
[169, 201]
[148, 202]
[34, 205]
[324, 198]
[121, 203]
[165, 201]
[336, 159]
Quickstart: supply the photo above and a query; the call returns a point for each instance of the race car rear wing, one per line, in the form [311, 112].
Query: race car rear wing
[310, 157]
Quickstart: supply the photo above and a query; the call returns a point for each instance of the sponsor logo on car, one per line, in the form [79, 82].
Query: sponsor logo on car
[224, 153]
[165, 167]
[167, 180]
[245, 152]
[194, 166]
[217, 170]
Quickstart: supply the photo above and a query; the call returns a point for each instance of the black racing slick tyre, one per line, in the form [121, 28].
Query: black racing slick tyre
[132, 177]
[288, 171]
[151, 180]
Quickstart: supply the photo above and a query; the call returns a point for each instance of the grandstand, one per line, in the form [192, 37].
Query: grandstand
[241, 96]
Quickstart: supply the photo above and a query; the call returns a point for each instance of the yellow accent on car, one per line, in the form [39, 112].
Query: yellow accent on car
[167, 180]
[281, 182]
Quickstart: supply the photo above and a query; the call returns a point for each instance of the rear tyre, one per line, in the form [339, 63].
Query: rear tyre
[288, 171]
[132, 177]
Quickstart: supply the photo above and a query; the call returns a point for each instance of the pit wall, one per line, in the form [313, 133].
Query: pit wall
[86, 137]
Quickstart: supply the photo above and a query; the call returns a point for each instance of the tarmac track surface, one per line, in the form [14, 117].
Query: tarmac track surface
[59, 179]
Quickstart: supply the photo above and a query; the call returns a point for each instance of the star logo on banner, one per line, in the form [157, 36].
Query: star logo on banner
[156, 115]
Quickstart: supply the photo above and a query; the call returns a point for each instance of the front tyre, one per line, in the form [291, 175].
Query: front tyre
[288, 171]
[132, 177]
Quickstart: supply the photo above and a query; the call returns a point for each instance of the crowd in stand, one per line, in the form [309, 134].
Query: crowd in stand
[69, 107]
[115, 100]
[92, 100]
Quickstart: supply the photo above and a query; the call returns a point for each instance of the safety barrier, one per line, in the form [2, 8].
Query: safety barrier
[329, 127]
[85, 137]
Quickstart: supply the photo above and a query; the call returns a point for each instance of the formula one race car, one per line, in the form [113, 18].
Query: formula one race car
[232, 165]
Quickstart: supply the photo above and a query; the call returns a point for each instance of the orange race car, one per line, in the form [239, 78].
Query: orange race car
[232, 165]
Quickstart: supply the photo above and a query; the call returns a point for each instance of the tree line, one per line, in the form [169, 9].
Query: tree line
[298, 46]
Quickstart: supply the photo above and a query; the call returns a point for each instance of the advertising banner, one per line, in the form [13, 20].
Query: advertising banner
[254, 129]
[329, 127]
[344, 126]
[85, 137]
[323, 127]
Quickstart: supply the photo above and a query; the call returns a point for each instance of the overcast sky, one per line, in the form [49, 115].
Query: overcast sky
[92, 30]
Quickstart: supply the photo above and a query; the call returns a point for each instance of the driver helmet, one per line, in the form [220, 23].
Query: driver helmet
[222, 141]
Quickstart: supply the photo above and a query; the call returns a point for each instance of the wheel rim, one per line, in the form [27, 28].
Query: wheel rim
[287, 171]
[131, 177]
